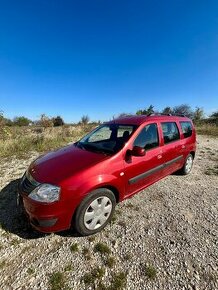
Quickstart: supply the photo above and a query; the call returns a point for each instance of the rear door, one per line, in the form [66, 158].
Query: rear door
[140, 171]
[189, 137]
[173, 156]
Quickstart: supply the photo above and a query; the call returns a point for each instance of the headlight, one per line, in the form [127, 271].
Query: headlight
[45, 193]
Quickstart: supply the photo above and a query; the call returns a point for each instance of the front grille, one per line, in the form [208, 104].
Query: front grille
[27, 185]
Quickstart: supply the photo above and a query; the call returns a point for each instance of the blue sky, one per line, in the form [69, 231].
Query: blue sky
[104, 57]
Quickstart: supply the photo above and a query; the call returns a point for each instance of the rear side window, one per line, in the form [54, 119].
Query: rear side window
[170, 132]
[148, 137]
[186, 129]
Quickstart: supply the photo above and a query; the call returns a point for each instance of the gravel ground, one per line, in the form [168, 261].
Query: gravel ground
[165, 237]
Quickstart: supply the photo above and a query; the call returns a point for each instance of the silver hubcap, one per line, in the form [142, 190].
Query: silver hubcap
[97, 213]
[188, 165]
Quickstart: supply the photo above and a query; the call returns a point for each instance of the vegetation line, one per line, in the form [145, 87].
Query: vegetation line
[20, 136]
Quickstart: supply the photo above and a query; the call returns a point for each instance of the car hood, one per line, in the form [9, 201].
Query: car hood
[56, 166]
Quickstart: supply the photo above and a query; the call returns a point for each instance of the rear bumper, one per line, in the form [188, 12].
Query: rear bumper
[47, 218]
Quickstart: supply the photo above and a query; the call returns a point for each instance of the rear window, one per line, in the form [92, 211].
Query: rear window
[186, 129]
[170, 132]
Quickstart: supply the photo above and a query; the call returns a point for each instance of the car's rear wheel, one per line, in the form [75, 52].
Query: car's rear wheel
[187, 167]
[95, 211]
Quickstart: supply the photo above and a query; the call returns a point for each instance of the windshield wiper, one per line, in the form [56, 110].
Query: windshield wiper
[79, 145]
[92, 147]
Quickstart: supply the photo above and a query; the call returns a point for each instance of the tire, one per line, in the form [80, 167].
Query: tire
[95, 211]
[187, 167]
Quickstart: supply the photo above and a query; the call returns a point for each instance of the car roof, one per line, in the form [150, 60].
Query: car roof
[140, 119]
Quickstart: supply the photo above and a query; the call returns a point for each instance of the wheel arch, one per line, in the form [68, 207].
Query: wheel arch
[113, 189]
[193, 154]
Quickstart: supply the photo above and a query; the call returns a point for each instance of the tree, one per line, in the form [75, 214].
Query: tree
[45, 121]
[85, 119]
[58, 121]
[21, 121]
[8, 122]
[183, 109]
[140, 112]
[167, 111]
[149, 110]
[4, 132]
[198, 114]
[214, 115]
[2, 119]
[122, 115]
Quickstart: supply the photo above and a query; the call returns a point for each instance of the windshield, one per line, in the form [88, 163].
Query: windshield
[107, 138]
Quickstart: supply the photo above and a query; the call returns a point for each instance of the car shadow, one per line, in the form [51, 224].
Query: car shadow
[14, 220]
[177, 173]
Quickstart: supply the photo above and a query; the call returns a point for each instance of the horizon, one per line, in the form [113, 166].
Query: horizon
[104, 58]
[119, 115]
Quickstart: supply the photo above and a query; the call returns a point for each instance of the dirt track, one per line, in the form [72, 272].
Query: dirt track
[172, 227]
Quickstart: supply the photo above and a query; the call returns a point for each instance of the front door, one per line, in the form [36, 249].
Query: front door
[140, 171]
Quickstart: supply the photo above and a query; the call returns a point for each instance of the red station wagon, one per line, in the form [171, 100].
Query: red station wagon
[79, 185]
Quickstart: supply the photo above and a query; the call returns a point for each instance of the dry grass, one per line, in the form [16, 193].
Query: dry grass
[57, 281]
[20, 141]
[149, 271]
[212, 170]
[102, 248]
[207, 129]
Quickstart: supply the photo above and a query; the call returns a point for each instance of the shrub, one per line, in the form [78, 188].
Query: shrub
[119, 281]
[150, 272]
[58, 121]
[57, 281]
[96, 273]
[102, 248]
[110, 262]
[85, 119]
[21, 121]
[74, 247]
[45, 121]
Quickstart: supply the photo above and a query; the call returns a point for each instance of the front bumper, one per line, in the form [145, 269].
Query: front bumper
[46, 218]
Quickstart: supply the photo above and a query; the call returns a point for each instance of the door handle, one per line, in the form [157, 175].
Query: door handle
[179, 147]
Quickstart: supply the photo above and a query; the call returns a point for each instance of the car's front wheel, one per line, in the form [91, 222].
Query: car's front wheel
[95, 211]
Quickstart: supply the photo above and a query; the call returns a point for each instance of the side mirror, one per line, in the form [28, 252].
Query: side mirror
[138, 151]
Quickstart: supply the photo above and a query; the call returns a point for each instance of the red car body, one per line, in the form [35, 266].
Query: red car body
[77, 172]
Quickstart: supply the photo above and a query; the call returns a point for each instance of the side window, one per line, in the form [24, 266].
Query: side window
[148, 137]
[170, 132]
[124, 130]
[186, 129]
